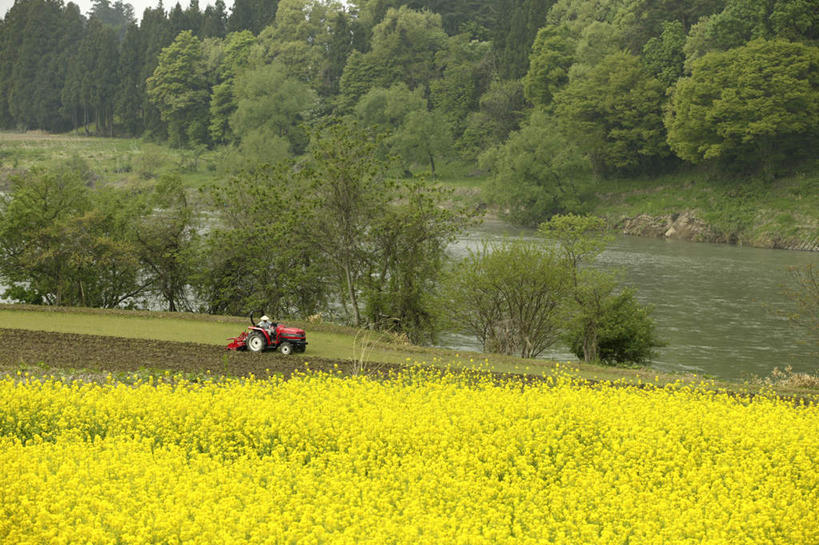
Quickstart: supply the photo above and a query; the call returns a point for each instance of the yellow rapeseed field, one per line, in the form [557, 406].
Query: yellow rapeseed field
[421, 458]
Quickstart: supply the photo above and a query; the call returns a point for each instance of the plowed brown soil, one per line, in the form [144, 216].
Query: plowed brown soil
[45, 350]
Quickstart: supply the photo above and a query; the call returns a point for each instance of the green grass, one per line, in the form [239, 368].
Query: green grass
[758, 213]
[118, 161]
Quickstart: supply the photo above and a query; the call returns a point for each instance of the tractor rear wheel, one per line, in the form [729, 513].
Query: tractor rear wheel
[255, 342]
[286, 348]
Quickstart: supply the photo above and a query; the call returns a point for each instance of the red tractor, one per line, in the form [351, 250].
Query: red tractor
[276, 337]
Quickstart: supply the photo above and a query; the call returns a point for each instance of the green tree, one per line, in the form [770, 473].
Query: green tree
[509, 295]
[346, 188]
[130, 94]
[501, 109]
[166, 243]
[233, 53]
[416, 134]
[625, 332]
[270, 109]
[756, 105]
[664, 56]
[613, 112]
[466, 72]
[252, 15]
[61, 245]
[604, 325]
[410, 237]
[253, 258]
[516, 26]
[403, 49]
[535, 172]
[179, 89]
[745, 20]
[552, 56]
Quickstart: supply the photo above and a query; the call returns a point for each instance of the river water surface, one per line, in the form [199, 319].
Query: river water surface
[718, 307]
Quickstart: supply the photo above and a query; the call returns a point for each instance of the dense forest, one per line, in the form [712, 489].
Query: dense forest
[533, 90]
[325, 114]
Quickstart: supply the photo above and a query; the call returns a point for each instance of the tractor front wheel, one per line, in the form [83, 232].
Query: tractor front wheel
[256, 342]
[286, 348]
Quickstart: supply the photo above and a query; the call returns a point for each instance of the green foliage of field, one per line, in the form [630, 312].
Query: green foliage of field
[120, 161]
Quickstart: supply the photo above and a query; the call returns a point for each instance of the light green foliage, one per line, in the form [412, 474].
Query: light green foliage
[299, 39]
[552, 56]
[415, 134]
[386, 109]
[408, 41]
[581, 238]
[270, 106]
[179, 89]
[664, 56]
[228, 58]
[757, 104]
[614, 112]
[745, 20]
[253, 258]
[509, 295]
[535, 172]
[595, 42]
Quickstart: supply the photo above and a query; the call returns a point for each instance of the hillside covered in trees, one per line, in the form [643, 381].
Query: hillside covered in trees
[535, 91]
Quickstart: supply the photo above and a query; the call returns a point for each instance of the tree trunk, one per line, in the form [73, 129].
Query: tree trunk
[352, 295]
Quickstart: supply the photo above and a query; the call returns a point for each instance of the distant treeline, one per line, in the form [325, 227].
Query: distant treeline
[539, 92]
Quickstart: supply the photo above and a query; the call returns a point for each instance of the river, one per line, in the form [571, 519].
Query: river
[717, 307]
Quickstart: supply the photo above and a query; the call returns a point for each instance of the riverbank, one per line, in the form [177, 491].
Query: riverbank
[783, 214]
[690, 205]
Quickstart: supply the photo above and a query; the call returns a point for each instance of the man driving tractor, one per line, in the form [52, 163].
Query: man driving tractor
[265, 322]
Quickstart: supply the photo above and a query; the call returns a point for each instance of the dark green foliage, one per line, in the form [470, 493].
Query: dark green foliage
[214, 21]
[626, 332]
[535, 172]
[166, 241]
[179, 89]
[613, 111]
[41, 35]
[664, 56]
[410, 237]
[516, 25]
[753, 107]
[502, 107]
[62, 244]
[253, 257]
[252, 15]
[603, 325]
